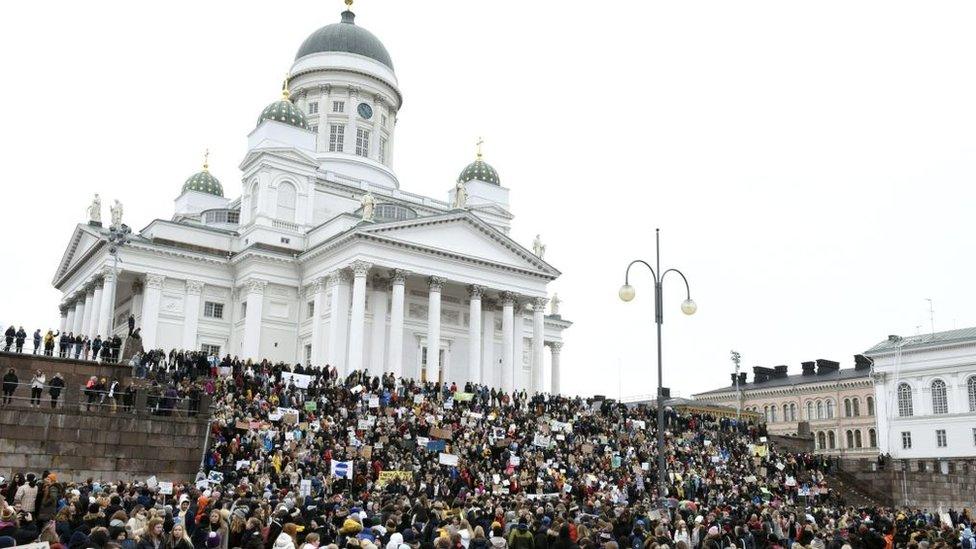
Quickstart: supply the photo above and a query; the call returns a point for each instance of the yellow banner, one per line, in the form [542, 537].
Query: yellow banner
[387, 476]
[463, 397]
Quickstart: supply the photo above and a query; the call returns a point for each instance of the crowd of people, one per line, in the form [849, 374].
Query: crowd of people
[303, 457]
[68, 344]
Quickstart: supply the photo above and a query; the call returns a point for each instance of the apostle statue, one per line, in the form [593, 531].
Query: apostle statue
[95, 210]
[369, 204]
[116, 211]
[554, 305]
[538, 247]
[460, 195]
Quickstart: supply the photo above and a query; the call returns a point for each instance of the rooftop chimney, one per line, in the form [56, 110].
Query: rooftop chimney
[742, 379]
[809, 368]
[779, 372]
[825, 366]
[761, 374]
[734, 377]
[894, 338]
[862, 362]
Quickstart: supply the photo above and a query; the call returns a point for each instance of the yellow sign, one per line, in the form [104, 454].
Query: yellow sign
[387, 476]
[463, 397]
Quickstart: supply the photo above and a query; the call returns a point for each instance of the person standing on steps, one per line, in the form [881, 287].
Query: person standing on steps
[37, 384]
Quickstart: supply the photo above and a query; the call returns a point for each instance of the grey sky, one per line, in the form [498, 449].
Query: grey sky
[811, 166]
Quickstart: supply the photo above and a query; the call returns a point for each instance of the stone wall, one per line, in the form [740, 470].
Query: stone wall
[78, 444]
[917, 483]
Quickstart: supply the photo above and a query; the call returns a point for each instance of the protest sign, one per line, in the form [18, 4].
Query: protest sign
[224, 371]
[463, 397]
[436, 445]
[446, 434]
[311, 406]
[374, 401]
[449, 404]
[447, 459]
[242, 425]
[166, 488]
[242, 464]
[422, 441]
[366, 452]
[386, 477]
[215, 477]
[503, 442]
[541, 440]
[305, 487]
[515, 461]
[301, 381]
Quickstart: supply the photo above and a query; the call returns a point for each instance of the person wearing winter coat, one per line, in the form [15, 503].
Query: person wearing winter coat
[287, 538]
[49, 339]
[10, 381]
[153, 538]
[9, 336]
[37, 388]
[20, 337]
[51, 492]
[54, 389]
[26, 495]
[37, 340]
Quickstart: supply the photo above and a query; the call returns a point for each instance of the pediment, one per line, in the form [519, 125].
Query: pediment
[82, 241]
[281, 153]
[462, 233]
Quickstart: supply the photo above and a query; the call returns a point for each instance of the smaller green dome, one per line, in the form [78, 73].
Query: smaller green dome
[480, 170]
[205, 183]
[285, 111]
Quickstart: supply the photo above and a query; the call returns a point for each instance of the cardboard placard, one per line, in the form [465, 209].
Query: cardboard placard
[386, 477]
[166, 488]
[447, 459]
[374, 401]
[445, 434]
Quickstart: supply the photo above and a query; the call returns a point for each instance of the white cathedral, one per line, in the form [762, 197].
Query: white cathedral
[324, 259]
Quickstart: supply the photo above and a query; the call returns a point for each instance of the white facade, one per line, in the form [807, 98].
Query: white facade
[293, 271]
[925, 387]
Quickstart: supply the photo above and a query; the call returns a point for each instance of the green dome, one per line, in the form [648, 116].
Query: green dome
[480, 170]
[285, 111]
[205, 183]
[346, 37]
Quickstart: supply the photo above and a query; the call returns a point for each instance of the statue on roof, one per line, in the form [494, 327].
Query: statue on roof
[554, 305]
[369, 204]
[95, 210]
[116, 211]
[460, 195]
[538, 247]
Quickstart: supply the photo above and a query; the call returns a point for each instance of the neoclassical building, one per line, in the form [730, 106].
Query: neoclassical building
[837, 404]
[925, 386]
[324, 258]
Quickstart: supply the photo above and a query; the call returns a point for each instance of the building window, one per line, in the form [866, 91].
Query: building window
[831, 440]
[858, 443]
[974, 436]
[904, 400]
[338, 106]
[830, 409]
[213, 310]
[766, 413]
[362, 142]
[971, 386]
[821, 440]
[772, 411]
[940, 405]
[820, 410]
[244, 309]
[792, 411]
[906, 440]
[847, 407]
[210, 350]
[308, 354]
[856, 404]
[314, 128]
[310, 307]
[850, 438]
[382, 152]
[809, 410]
[313, 107]
[337, 135]
[873, 438]
[870, 401]
[940, 438]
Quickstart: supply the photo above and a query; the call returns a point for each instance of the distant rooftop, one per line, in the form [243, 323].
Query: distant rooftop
[817, 371]
[895, 342]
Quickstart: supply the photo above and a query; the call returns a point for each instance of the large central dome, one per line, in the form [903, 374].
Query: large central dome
[345, 37]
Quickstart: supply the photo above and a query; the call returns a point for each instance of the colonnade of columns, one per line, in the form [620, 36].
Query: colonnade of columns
[346, 291]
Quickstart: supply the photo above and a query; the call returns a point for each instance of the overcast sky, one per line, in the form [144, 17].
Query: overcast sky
[812, 166]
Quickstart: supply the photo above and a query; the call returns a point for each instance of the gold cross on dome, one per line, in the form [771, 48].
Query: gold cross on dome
[479, 143]
[348, 4]
[206, 159]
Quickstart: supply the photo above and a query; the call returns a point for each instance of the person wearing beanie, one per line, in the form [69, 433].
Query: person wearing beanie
[287, 539]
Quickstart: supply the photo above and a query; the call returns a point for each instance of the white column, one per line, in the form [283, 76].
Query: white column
[377, 340]
[138, 297]
[96, 310]
[538, 341]
[79, 314]
[396, 322]
[508, 330]
[357, 319]
[69, 322]
[518, 347]
[105, 316]
[554, 349]
[252, 322]
[150, 310]
[89, 305]
[489, 368]
[350, 142]
[325, 107]
[191, 314]
[374, 134]
[339, 320]
[435, 283]
[318, 289]
[474, 333]
[63, 309]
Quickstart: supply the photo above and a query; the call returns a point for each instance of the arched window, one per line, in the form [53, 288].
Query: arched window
[873, 437]
[772, 414]
[971, 385]
[766, 413]
[792, 411]
[821, 440]
[857, 439]
[847, 407]
[856, 404]
[820, 414]
[809, 410]
[850, 438]
[255, 190]
[904, 400]
[286, 202]
[939, 403]
[830, 409]
[831, 440]
[870, 401]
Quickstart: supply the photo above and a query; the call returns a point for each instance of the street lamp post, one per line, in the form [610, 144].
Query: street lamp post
[688, 307]
[118, 237]
[737, 359]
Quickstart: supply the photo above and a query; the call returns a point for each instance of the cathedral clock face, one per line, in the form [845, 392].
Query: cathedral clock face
[365, 111]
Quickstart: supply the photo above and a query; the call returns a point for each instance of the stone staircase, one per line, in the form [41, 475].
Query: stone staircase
[854, 492]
